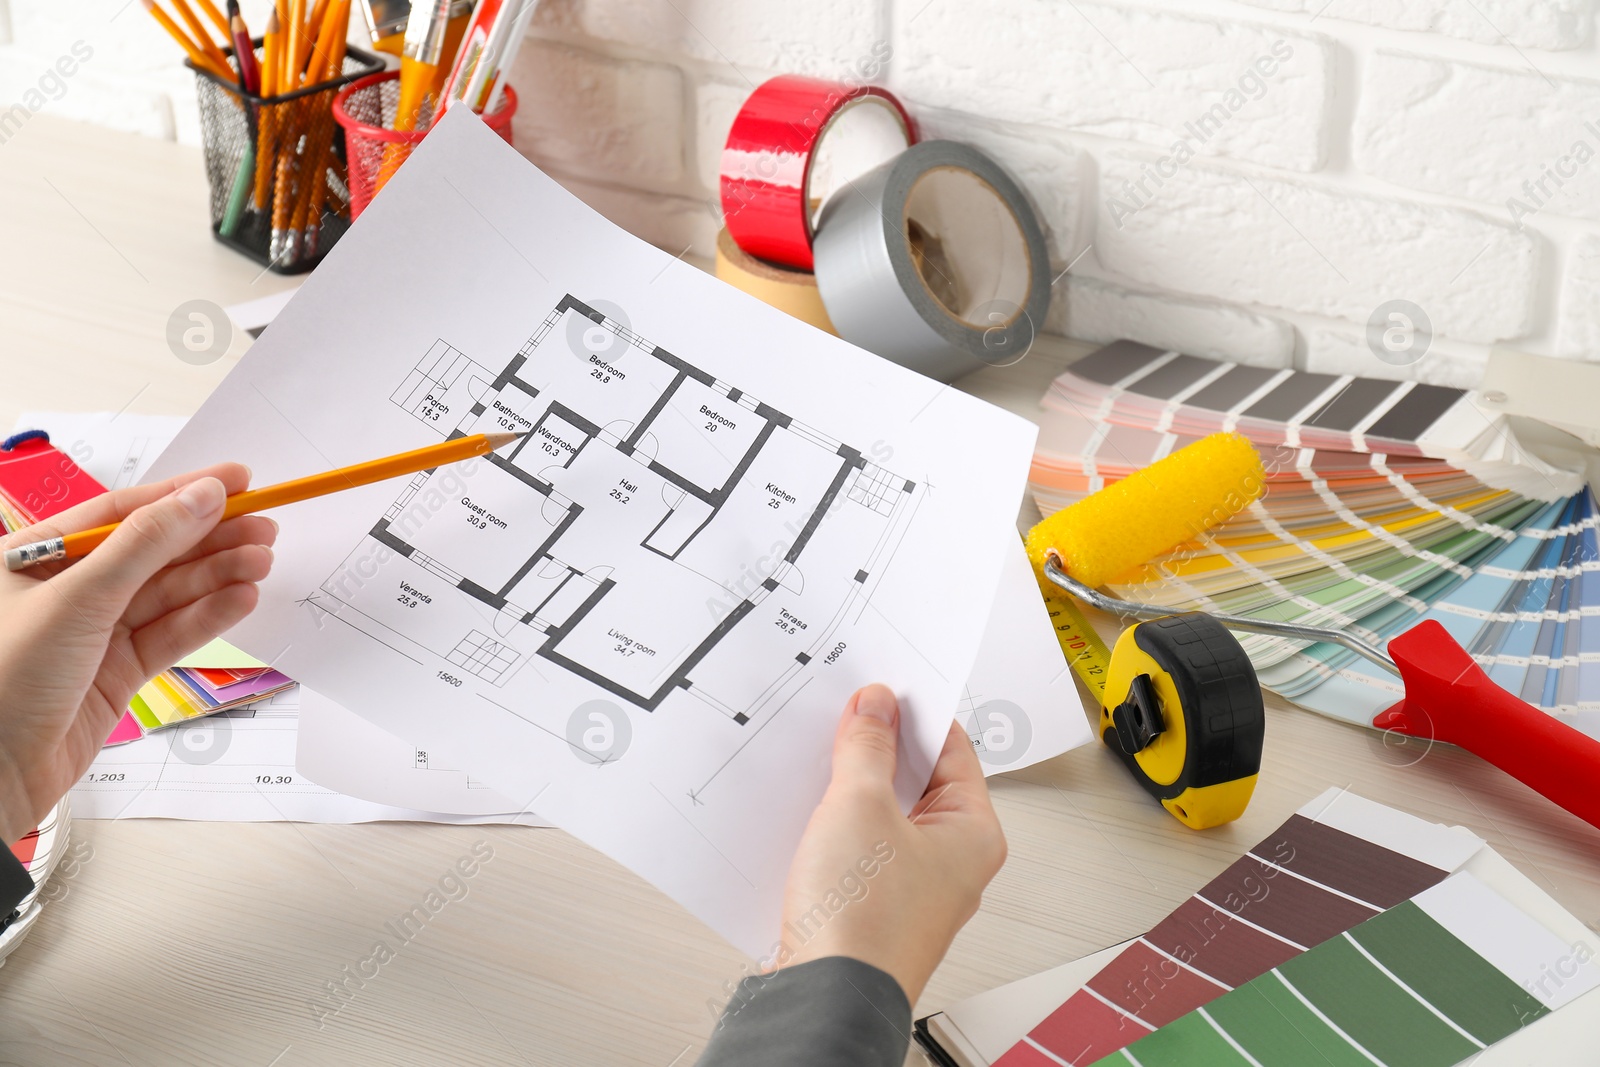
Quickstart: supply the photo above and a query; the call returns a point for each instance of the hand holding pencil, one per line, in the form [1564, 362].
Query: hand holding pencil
[81, 640]
[79, 543]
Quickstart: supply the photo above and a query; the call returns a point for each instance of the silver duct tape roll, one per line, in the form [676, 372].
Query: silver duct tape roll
[934, 260]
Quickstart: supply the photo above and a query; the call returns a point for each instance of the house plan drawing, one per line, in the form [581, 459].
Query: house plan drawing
[643, 617]
[641, 482]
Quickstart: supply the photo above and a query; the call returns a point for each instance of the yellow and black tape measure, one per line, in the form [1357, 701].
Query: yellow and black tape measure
[1179, 704]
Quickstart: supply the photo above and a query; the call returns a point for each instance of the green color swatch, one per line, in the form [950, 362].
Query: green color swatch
[1423, 955]
[1189, 1041]
[1377, 1014]
[142, 712]
[1274, 1026]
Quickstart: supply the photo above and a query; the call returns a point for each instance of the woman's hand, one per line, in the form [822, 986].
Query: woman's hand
[885, 888]
[78, 639]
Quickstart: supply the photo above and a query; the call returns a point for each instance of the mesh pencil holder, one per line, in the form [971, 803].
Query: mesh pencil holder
[375, 151]
[276, 166]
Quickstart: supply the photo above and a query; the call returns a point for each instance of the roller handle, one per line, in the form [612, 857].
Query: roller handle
[1449, 698]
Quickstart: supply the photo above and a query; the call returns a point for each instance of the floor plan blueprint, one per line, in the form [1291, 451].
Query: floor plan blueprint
[641, 480]
[641, 619]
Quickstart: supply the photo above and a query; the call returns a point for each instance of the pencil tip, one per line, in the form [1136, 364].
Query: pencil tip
[499, 440]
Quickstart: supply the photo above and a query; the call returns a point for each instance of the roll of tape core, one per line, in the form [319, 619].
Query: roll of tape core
[793, 291]
[795, 141]
[935, 261]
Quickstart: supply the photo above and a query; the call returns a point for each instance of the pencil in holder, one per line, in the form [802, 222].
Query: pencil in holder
[276, 166]
[374, 149]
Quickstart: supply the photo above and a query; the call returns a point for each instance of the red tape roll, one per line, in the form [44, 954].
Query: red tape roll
[796, 140]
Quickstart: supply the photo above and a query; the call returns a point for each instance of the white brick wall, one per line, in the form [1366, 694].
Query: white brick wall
[826, 38]
[623, 121]
[1579, 335]
[1094, 310]
[1381, 153]
[1529, 23]
[1118, 71]
[1296, 244]
[1532, 137]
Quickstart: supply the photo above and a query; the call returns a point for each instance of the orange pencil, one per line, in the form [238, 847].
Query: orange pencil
[195, 53]
[272, 44]
[280, 244]
[314, 27]
[216, 16]
[309, 214]
[74, 545]
[201, 37]
[299, 44]
[317, 61]
[341, 40]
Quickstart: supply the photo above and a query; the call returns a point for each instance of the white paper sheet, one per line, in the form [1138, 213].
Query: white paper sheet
[113, 448]
[254, 316]
[474, 272]
[340, 750]
[235, 766]
[1019, 707]
[1021, 704]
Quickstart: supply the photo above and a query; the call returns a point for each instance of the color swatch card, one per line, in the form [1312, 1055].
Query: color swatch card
[1136, 385]
[1430, 982]
[1347, 536]
[1335, 864]
[112, 447]
[38, 480]
[984, 1029]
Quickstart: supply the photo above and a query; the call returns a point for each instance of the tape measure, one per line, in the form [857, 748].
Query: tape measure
[1179, 705]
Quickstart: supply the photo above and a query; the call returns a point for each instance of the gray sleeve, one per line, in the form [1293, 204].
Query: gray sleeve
[833, 1012]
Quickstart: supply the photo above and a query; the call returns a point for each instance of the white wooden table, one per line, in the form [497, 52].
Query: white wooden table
[210, 943]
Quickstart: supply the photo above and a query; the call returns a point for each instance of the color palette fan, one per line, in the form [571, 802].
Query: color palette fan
[1386, 503]
[184, 693]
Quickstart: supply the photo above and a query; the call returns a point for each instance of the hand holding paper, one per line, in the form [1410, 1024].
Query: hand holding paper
[873, 884]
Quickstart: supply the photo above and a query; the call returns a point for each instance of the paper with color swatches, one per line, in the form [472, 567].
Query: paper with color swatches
[181, 694]
[1428, 983]
[1336, 863]
[1360, 540]
[1350, 935]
